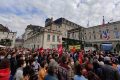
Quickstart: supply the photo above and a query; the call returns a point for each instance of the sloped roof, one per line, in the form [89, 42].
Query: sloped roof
[19, 40]
[3, 28]
[33, 27]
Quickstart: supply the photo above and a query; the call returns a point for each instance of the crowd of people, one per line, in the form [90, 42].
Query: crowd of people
[26, 64]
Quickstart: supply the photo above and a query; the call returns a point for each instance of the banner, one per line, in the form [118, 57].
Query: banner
[74, 46]
[105, 35]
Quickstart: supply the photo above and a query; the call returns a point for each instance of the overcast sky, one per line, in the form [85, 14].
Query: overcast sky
[17, 14]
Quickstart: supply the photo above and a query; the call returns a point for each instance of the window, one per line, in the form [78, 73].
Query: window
[115, 28]
[117, 34]
[68, 35]
[85, 37]
[107, 30]
[58, 39]
[53, 38]
[58, 26]
[100, 34]
[90, 35]
[73, 35]
[48, 37]
[12, 37]
[94, 36]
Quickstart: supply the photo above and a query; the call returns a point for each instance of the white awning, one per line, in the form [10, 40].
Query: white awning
[2, 46]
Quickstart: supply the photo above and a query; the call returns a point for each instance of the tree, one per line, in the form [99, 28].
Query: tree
[118, 47]
[5, 42]
[95, 46]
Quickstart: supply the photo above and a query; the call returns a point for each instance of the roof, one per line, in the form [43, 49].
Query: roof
[3, 28]
[60, 21]
[34, 27]
[107, 24]
[63, 20]
[19, 40]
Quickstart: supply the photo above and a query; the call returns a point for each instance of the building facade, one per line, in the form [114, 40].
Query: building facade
[97, 35]
[37, 37]
[7, 36]
[56, 30]
[63, 25]
[107, 33]
[19, 43]
[63, 31]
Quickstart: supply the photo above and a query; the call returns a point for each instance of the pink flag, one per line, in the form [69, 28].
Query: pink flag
[60, 49]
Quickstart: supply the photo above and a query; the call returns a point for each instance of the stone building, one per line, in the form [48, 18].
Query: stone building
[19, 43]
[97, 35]
[60, 24]
[7, 35]
[70, 33]
[37, 37]
[107, 33]
[63, 25]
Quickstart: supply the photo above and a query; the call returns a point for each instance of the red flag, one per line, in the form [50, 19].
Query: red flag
[60, 49]
[40, 50]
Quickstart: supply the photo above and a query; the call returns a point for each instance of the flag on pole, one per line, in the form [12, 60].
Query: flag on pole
[103, 23]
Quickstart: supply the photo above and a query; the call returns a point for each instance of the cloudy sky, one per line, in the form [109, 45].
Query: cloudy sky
[17, 14]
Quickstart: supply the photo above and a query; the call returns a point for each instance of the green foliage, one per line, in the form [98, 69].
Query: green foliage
[118, 47]
[5, 42]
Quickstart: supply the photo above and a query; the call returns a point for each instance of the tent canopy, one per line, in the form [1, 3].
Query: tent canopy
[1, 46]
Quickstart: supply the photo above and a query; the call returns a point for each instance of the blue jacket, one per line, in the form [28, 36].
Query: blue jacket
[77, 77]
[49, 77]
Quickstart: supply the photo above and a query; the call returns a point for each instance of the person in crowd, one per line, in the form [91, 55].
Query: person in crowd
[64, 69]
[95, 65]
[43, 71]
[108, 72]
[4, 69]
[35, 65]
[2, 55]
[71, 67]
[52, 70]
[19, 72]
[92, 76]
[78, 73]
[26, 73]
[13, 64]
